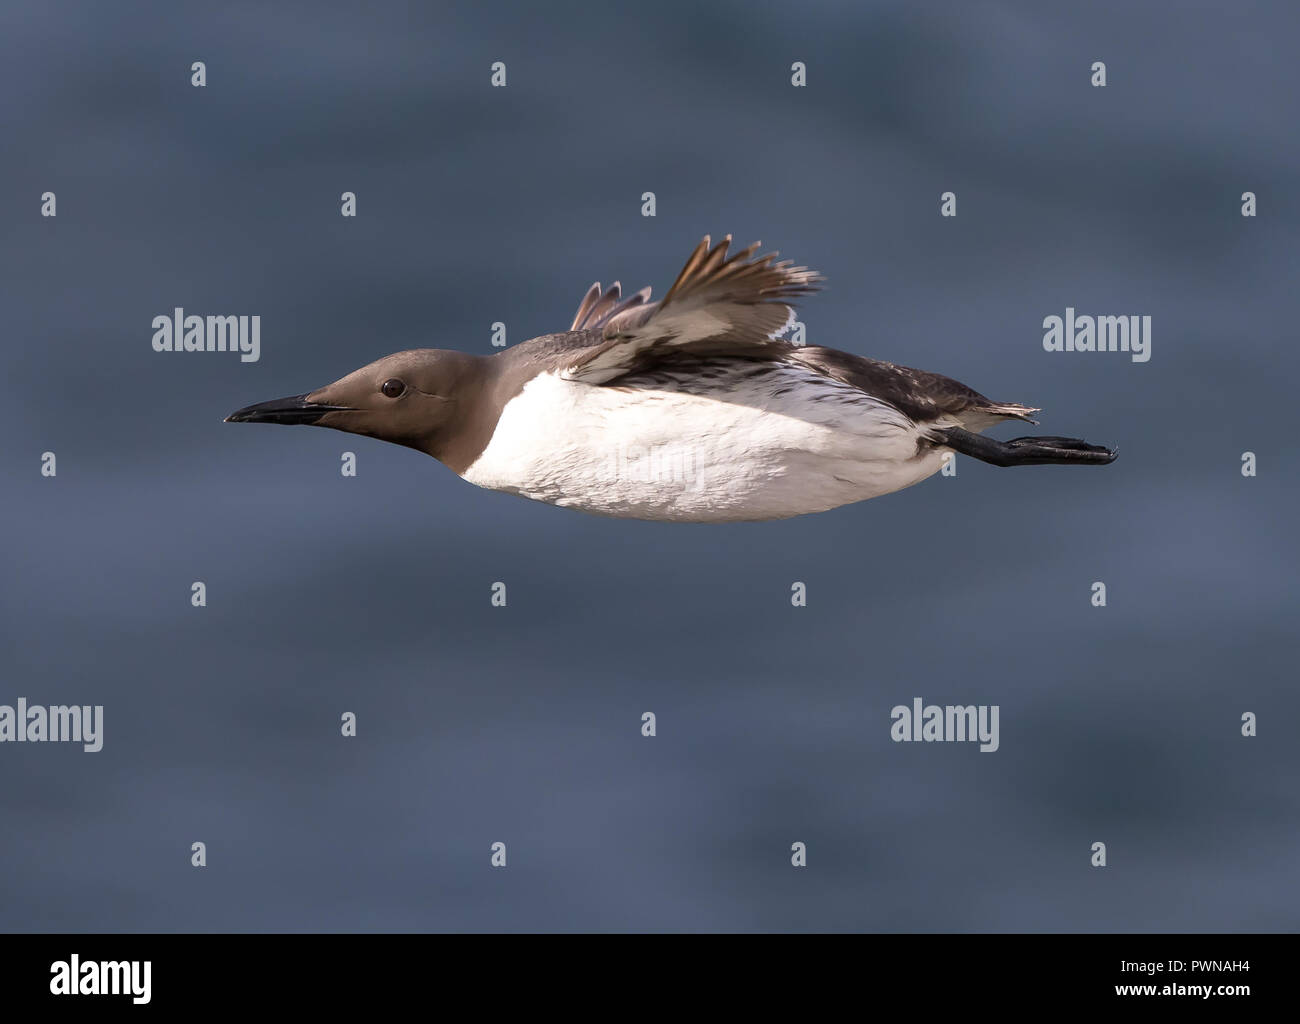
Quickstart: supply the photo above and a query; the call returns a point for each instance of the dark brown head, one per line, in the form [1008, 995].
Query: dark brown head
[422, 398]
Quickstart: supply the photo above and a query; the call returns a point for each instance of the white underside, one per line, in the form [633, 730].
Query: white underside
[652, 451]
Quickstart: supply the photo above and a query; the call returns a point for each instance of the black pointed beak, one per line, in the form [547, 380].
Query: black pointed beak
[284, 410]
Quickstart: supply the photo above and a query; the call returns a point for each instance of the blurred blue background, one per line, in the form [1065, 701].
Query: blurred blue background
[522, 725]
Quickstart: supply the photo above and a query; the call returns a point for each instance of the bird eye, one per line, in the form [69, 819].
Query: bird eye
[393, 388]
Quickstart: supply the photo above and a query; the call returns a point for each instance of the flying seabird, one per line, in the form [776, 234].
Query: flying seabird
[691, 408]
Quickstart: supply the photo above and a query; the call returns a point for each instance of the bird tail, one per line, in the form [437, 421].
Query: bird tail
[1013, 411]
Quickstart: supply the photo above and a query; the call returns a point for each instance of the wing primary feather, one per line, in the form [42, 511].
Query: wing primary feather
[588, 300]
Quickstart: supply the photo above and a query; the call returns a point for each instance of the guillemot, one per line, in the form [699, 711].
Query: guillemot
[690, 409]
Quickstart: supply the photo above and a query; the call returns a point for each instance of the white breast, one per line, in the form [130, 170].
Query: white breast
[732, 440]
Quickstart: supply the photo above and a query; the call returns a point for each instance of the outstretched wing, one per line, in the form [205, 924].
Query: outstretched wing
[717, 306]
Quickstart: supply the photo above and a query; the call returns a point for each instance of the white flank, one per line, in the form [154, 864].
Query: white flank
[737, 452]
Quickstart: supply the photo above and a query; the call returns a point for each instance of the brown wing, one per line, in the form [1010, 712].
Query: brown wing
[717, 306]
[919, 394]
